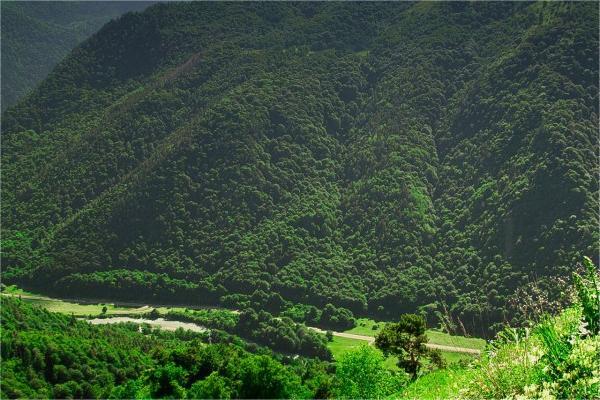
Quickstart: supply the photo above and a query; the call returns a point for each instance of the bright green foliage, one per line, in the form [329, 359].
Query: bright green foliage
[212, 387]
[588, 290]
[361, 374]
[166, 382]
[559, 358]
[48, 355]
[439, 384]
[378, 157]
[264, 378]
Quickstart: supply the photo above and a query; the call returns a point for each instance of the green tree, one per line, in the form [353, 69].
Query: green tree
[337, 317]
[405, 339]
[166, 381]
[213, 387]
[329, 336]
[264, 378]
[361, 374]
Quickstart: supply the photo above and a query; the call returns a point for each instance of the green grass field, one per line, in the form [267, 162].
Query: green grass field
[368, 327]
[66, 307]
[14, 290]
[440, 384]
[445, 339]
[81, 309]
[340, 345]
[84, 310]
[365, 326]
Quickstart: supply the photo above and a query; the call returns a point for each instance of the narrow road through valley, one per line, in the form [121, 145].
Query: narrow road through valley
[371, 340]
[143, 306]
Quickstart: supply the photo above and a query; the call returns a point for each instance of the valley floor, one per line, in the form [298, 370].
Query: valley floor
[371, 339]
[558, 357]
[454, 348]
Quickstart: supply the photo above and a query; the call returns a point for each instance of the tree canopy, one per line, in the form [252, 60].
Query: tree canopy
[384, 158]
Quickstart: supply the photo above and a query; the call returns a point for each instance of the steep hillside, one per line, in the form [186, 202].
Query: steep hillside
[380, 157]
[38, 35]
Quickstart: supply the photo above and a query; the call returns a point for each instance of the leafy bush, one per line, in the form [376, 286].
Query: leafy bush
[588, 291]
[212, 387]
[361, 374]
[337, 318]
[558, 358]
[281, 334]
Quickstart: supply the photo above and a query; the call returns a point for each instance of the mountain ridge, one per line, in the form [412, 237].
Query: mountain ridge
[377, 177]
[38, 36]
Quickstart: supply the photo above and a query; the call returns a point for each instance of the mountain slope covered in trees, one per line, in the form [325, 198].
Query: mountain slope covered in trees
[38, 35]
[381, 157]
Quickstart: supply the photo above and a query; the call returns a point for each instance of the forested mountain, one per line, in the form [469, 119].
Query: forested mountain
[37, 35]
[382, 157]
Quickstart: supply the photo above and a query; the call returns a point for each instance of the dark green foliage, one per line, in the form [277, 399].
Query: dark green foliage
[336, 318]
[377, 157]
[281, 334]
[405, 339]
[131, 285]
[46, 355]
[303, 313]
[436, 359]
[37, 36]
[329, 336]
[218, 319]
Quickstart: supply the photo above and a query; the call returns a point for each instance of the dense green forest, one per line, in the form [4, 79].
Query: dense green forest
[38, 35]
[383, 158]
[48, 355]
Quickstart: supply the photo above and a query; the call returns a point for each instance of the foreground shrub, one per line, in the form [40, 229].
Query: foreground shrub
[559, 358]
[361, 374]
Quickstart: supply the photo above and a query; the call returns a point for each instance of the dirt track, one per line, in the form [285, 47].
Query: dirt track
[166, 325]
[371, 339]
[160, 322]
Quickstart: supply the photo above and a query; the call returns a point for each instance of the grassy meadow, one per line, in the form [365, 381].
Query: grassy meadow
[81, 309]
